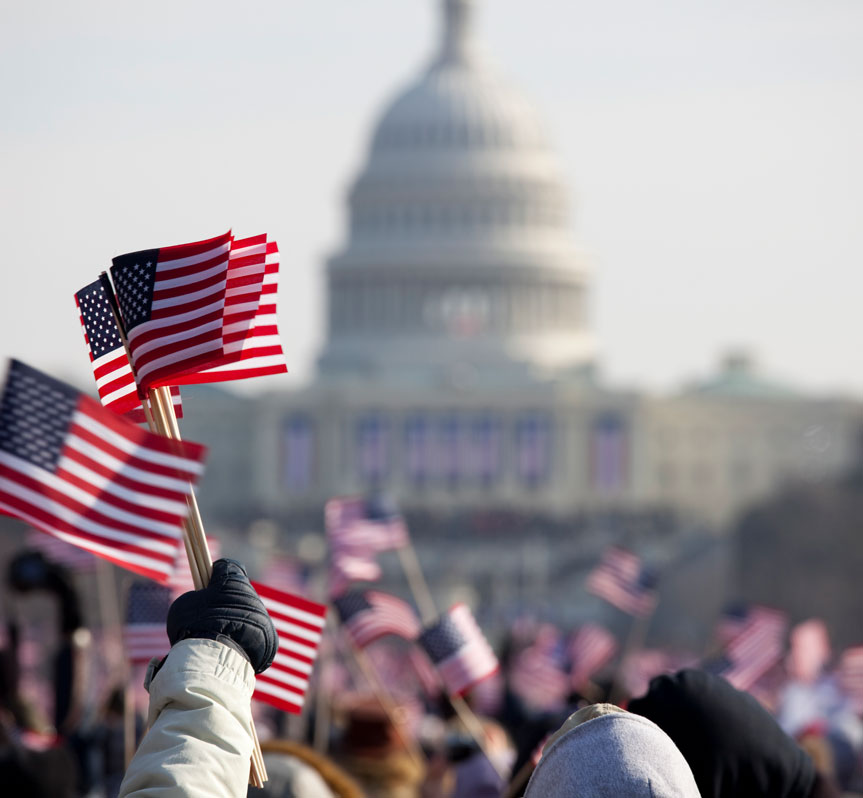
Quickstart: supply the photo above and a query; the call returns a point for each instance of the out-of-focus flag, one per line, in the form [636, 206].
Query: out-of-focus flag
[368, 616]
[362, 527]
[284, 573]
[757, 646]
[537, 674]
[115, 381]
[145, 635]
[641, 666]
[250, 336]
[590, 649]
[59, 551]
[300, 626]
[810, 650]
[425, 673]
[850, 673]
[172, 301]
[346, 568]
[459, 651]
[180, 581]
[75, 470]
[622, 580]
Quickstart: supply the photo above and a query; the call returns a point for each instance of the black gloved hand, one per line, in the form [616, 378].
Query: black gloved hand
[227, 610]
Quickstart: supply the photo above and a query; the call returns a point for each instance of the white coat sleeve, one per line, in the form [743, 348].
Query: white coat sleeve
[199, 742]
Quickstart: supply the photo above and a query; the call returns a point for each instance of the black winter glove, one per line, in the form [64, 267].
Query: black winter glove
[227, 610]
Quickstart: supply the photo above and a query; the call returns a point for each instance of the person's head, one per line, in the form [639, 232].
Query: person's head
[603, 751]
[733, 745]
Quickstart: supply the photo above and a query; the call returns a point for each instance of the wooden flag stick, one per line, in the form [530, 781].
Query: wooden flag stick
[162, 419]
[418, 585]
[385, 700]
[428, 611]
[163, 407]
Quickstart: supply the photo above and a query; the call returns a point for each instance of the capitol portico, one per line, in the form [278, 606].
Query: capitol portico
[459, 370]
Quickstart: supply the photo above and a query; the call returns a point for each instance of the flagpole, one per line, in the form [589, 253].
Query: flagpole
[417, 583]
[163, 418]
[428, 611]
[109, 602]
[387, 703]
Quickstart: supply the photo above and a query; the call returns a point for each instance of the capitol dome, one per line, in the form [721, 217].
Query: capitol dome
[459, 257]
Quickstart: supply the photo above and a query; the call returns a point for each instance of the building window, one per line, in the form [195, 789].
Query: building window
[298, 460]
[418, 449]
[609, 454]
[372, 448]
[533, 448]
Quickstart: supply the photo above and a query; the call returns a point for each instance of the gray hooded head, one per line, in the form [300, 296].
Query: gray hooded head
[613, 755]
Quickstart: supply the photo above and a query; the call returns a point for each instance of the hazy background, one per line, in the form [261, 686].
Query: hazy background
[713, 150]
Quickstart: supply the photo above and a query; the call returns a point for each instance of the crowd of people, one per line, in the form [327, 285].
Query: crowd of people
[690, 734]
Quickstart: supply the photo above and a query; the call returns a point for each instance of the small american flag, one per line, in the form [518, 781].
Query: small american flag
[145, 634]
[368, 616]
[590, 649]
[363, 527]
[300, 626]
[621, 580]
[850, 672]
[458, 650]
[172, 301]
[757, 646]
[250, 335]
[79, 472]
[115, 381]
[810, 650]
[538, 675]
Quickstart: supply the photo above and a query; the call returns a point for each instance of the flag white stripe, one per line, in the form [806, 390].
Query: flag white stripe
[97, 548]
[106, 485]
[135, 450]
[286, 695]
[191, 260]
[120, 468]
[170, 321]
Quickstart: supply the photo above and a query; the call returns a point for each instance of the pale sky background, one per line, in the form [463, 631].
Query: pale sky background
[714, 149]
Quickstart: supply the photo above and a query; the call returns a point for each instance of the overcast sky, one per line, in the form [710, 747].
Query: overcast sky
[714, 150]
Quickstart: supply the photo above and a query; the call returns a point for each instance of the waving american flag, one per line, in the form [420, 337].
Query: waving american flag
[77, 471]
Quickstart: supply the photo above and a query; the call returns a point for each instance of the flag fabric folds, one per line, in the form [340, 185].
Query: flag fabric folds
[172, 301]
[458, 650]
[300, 625]
[145, 635]
[115, 381]
[357, 530]
[361, 527]
[77, 471]
[622, 580]
[368, 616]
[537, 673]
[755, 647]
[250, 335]
[590, 649]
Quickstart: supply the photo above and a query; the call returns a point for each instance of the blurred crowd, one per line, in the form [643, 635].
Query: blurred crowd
[386, 731]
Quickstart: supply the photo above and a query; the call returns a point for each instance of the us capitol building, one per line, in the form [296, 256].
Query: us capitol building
[459, 373]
